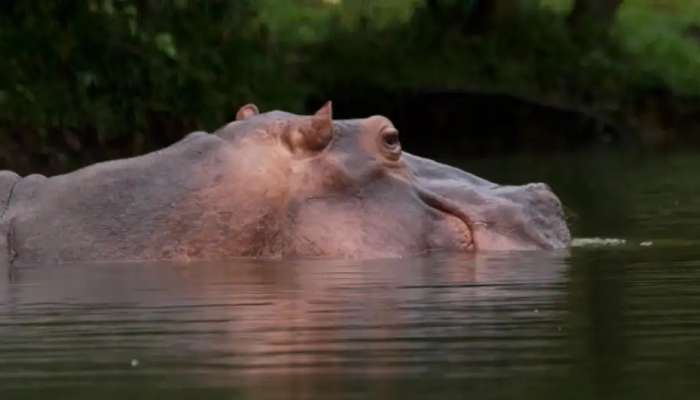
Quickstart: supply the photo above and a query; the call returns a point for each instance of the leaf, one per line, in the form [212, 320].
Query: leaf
[165, 43]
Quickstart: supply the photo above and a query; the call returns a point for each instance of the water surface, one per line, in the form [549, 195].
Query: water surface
[614, 321]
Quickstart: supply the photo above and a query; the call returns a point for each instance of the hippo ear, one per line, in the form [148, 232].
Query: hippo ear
[311, 134]
[247, 111]
[321, 132]
[326, 111]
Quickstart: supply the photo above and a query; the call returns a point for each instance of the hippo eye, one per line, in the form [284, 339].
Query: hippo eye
[390, 143]
[391, 139]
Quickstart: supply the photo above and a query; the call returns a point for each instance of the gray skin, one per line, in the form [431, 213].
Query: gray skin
[274, 185]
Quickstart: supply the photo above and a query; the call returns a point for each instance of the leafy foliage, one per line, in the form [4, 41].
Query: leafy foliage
[95, 79]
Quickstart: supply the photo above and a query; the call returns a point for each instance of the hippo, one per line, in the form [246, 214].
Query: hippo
[272, 185]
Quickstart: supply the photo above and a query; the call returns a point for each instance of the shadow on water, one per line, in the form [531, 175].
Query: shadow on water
[598, 322]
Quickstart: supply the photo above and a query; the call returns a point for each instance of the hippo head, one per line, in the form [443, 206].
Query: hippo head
[345, 188]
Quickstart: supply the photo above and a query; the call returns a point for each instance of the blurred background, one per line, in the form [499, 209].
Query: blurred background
[83, 81]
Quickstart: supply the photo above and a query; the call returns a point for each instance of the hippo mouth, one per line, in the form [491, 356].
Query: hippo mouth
[454, 213]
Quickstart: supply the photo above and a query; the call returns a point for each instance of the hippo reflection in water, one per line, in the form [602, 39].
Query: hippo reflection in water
[272, 185]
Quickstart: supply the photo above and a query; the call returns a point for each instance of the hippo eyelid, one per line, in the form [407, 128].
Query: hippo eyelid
[388, 129]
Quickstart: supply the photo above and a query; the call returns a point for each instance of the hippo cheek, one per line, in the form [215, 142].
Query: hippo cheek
[353, 228]
[493, 241]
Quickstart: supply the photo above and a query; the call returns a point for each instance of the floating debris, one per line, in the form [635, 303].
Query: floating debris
[591, 242]
[134, 363]
[647, 243]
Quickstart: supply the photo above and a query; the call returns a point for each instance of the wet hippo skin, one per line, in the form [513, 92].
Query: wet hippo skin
[275, 185]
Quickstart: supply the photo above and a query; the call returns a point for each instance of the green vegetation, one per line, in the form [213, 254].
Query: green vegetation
[661, 37]
[664, 37]
[82, 81]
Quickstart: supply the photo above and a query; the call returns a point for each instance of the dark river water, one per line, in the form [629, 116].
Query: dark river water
[613, 319]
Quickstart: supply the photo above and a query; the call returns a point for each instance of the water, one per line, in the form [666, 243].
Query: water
[610, 320]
